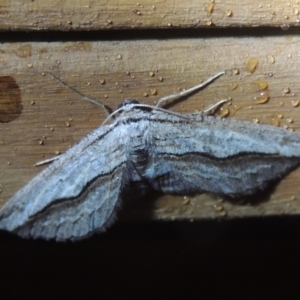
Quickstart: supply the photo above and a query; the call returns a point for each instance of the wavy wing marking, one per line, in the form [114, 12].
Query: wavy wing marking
[234, 176]
[75, 196]
[219, 156]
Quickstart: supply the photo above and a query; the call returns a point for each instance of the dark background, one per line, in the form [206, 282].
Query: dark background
[231, 259]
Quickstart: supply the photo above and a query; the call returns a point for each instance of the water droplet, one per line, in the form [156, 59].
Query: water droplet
[209, 8]
[32, 102]
[119, 56]
[219, 207]
[252, 64]
[262, 98]
[295, 11]
[102, 80]
[260, 85]
[233, 86]
[145, 94]
[280, 116]
[185, 200]
[151, 74]
[67, 124]
[286, 90]
[275, 122]
[270, 59]
[295, 103]
[255, 120]
[137, 12]
[153, 91]
[236, 71]
[208, 23]
[223, 112]
[160, 78]
[24, 51]
[229, 13]
[285, 26]
[222, 214]
[40, 141]
[290, 120]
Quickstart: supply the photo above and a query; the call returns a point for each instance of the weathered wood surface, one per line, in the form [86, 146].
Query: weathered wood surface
[45, 118]
[100, 14]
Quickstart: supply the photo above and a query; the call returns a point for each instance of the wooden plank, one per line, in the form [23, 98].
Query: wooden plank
[120, 14]
[45, 118]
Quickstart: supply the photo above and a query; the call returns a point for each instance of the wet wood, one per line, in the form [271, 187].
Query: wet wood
[121, 14]
[262, 82]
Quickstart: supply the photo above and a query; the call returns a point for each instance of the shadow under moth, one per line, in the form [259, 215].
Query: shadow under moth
[148, 146]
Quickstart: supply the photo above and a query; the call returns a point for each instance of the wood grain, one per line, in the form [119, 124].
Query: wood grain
[53, 118]
[95, 15]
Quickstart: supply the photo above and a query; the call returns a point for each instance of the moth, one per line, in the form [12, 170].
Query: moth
[148, 147]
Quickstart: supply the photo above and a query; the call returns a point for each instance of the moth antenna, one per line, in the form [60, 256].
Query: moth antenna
[46, 161]
[179, 95]
[211, 109]
[86, 98]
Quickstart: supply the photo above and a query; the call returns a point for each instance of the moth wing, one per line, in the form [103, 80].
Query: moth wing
[220, 156]
[232, 177]
[73, 197]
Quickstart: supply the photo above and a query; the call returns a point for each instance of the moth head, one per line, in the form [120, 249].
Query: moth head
[127, 103]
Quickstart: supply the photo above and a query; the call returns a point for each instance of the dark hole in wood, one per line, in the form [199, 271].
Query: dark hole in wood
[10, 99]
